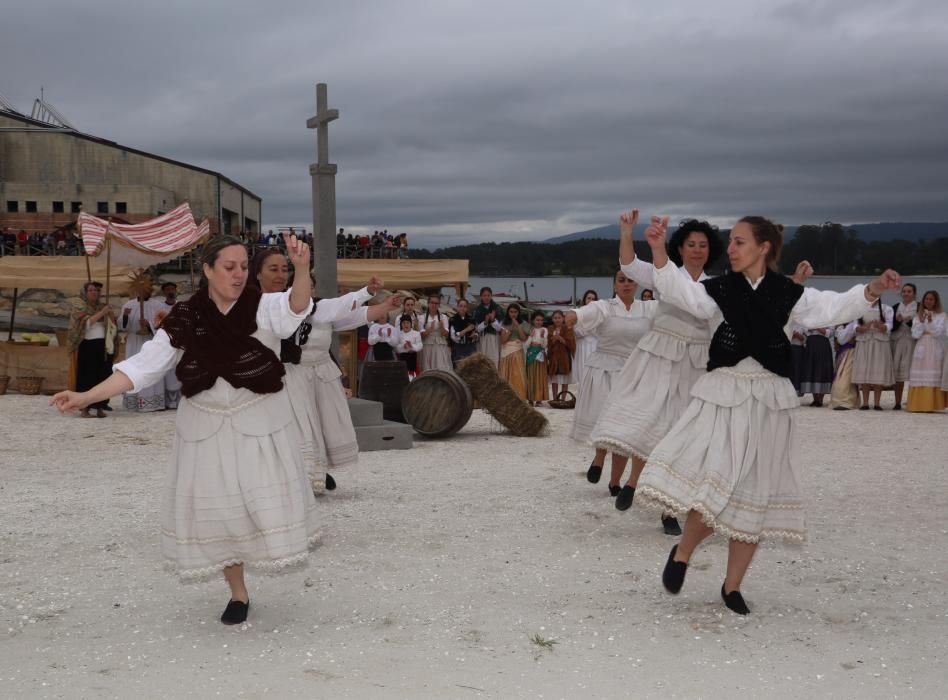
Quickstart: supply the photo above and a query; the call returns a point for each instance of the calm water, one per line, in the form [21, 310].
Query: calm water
[561, 288]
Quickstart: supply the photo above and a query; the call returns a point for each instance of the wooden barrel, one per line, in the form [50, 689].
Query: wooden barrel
[437, 403]
[385, 382]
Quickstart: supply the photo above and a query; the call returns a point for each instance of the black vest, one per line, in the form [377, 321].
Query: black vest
[754, 320]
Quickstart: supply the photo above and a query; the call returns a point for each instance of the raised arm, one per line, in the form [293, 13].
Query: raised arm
[627, 222]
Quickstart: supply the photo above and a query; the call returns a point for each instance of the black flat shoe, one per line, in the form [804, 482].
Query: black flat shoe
[877, 408]
[673, 577]
[330, 483]
[863, 408]
[235, 613]
[734, 601]
[840, 408]
[897, 407]
[595, 471]
[670, 525]
[624, 499]
[614, 490]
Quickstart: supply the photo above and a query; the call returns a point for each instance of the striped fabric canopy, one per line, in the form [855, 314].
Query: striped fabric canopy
[141, 245]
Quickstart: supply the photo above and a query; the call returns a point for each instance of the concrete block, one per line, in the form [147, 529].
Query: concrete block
[365, 412]
[387, 436]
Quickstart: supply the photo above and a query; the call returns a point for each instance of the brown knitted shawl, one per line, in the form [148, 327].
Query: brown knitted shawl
[217, 345]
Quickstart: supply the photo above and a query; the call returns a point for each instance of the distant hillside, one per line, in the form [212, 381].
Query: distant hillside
[866, 232]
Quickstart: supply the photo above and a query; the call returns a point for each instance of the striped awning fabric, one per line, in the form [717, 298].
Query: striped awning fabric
[157, 240]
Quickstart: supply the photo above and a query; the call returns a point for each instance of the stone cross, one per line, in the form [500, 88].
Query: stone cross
[323, 175]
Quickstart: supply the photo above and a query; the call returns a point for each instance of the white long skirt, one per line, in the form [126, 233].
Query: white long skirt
[489, 345]
[436, 356]
[903, 347]
[585, 347]
[598, 378]
[328, 439]
[733, 457]
[237, 492]
[650, 394]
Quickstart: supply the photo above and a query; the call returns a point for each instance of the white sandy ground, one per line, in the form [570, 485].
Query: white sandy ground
[441, 564]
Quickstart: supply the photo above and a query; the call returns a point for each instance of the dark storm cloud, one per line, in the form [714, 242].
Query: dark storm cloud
[519, 120]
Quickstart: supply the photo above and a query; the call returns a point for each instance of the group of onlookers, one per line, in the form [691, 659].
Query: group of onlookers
[888, 348]
[381, 244]
[58, 242]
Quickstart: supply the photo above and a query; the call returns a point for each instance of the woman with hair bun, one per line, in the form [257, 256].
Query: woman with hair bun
[731, 462]
[237, 494]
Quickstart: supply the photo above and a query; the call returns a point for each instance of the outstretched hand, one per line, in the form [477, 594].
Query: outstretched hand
[297, 251]
[374, 285]
[887, 281]
[69, 401]
[394, 302]
[803, 272]
[627, 222]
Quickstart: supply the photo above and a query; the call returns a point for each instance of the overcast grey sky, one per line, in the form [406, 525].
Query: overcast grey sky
[517, 120]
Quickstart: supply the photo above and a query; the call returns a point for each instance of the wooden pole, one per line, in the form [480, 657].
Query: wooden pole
[12, 314]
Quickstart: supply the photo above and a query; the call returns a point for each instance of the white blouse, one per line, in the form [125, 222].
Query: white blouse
[158, 355]
[590, 316]
[413, 338]
[383, 333]
[935, 327]
[814, 309]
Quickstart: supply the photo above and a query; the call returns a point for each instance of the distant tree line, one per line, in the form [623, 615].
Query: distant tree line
[832, 249]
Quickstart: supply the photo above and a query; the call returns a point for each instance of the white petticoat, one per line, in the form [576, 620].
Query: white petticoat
[733, 457]
[236, 492]
[651, 393]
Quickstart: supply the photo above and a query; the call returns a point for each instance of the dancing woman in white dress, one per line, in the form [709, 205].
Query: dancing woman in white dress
[617, 325]
[731, 462]
[654, 387]
[236, 494]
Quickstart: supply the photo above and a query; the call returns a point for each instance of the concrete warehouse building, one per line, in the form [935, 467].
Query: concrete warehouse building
[49, 171]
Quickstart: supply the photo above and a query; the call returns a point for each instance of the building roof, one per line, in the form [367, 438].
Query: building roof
[43, 126]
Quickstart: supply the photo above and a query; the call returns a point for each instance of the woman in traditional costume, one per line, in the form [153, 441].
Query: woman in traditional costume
[903, 343]
[314, 380]
[654, 387]
[488, 316]
[535, 349]
[817, 375]
[925, 392]
[434, 335]
[618, 325]
[236, 494]
[585, 344]
[513, 363]
[731, 463]
[91, 337]
[872, 360]
[559, 360]
[843, 396]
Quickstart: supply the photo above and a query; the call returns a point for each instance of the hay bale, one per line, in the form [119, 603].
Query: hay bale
[499, 399]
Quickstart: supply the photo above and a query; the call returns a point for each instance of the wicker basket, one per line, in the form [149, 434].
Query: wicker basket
[569, 402]
[4, 383]
[29, 385]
